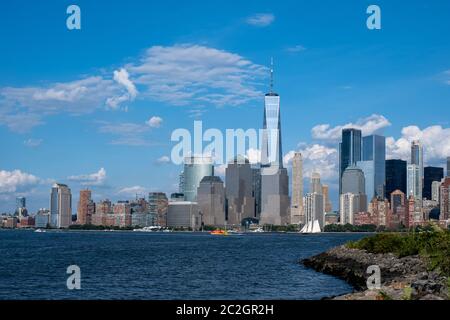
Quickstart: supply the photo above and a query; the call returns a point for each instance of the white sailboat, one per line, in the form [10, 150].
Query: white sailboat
[311, 227]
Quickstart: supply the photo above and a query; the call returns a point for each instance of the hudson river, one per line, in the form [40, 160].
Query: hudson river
[135, 265]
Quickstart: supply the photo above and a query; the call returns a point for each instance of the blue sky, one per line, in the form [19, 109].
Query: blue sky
[75, 106]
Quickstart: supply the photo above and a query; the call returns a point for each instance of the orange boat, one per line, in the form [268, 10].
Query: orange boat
[219, 232]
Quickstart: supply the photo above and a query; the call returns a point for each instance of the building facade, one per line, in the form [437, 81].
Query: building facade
[60, 206]
[211, 201]
[396, 176]
[349, 151]
[195, 168]
[297, 214]
[431, 174]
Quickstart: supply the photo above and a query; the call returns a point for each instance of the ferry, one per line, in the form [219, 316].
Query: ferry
[219, 232]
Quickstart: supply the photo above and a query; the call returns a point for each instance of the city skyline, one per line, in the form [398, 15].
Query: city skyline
[53, 131]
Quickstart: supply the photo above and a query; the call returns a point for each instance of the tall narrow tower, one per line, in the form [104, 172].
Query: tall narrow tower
[274, 178]
[271, 153]
[297, 214]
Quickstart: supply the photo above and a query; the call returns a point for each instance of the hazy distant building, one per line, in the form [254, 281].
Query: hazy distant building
[239, 190]
[353, 181]
[431, 174]
[297, 214]
[373, 165]
[313, 206]
[395, 176]
[60, 206]
[21, 207]
[184, 214]
[349, 151]
[211, 201]
[42, 218]
[195, 168]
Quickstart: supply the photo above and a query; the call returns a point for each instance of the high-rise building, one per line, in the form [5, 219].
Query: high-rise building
[184, 214]
[239, 190]
[315, 185]
[211, 201]
[181, 183]
[157, 207]
[379, 211]
[271, 149]
[349, 151]
[431, 174]
[417, 155]
[84, 207]
[395, 176]
[414, 182]
[21, 210]
[313, 206]
[274, 178]
[373, 165]
[353, 182]
[256, 173]
[349, 204]
[297, 214]
[435, 190]
[326, 199]
[445, 200]
[195, 168]
[60, 206]
[21, 202]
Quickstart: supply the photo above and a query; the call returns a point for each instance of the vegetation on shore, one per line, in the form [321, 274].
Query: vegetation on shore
[432, 243]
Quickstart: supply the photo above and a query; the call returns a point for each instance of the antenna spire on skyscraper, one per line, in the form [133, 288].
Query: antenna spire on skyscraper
[271, 75]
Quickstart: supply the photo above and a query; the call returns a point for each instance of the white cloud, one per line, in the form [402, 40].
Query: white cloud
[123, 78]
[155, 122]
[435, 140]
[93, 179]
[132, 191]
[261, 19]
[369, 125]
[190, 74]
[16, 181]
[317, 158]
[32, 143]
[25, 107]
[163, 160]
[253, 155]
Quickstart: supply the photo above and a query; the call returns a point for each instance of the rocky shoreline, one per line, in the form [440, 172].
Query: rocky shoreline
[404, 278]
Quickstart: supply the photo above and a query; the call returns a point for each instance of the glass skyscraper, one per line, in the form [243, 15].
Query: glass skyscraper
[271, 151]
[195, 168]
[349, 151]
[274, 178]
[373, 165]
[395, 176]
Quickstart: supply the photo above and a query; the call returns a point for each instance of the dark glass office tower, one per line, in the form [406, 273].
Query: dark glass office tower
[349, 151]
[431, 174]
[448, 166]
[395, 176]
